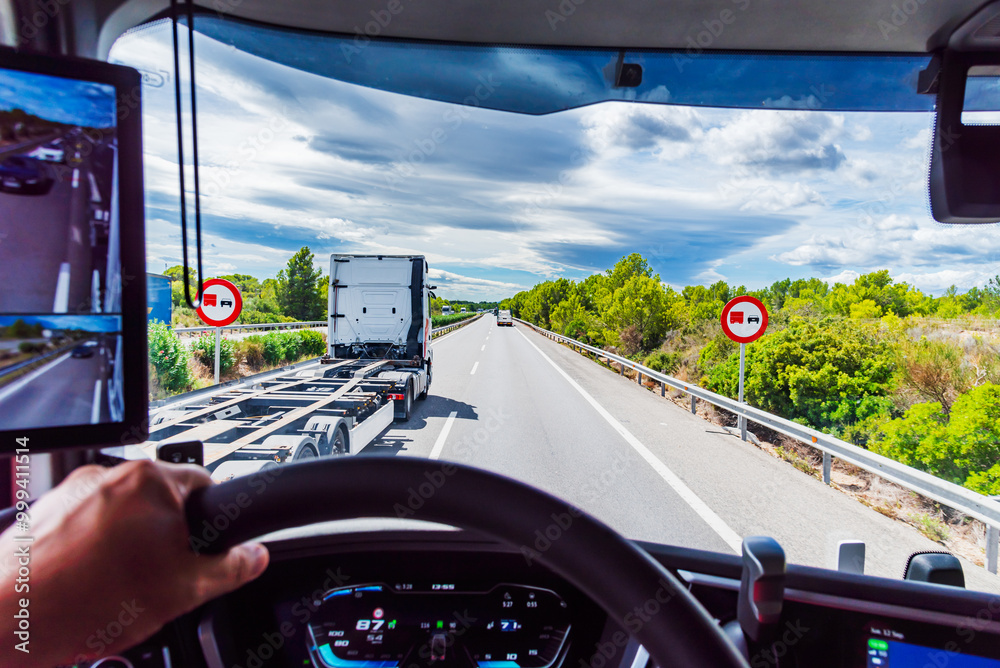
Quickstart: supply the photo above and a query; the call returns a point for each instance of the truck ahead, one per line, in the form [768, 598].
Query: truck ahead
[378, 362]
[504, 319]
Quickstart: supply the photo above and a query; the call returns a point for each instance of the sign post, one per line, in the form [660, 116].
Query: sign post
[221, 303]
[744, 320]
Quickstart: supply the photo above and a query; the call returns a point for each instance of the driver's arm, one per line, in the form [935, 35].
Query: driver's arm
[110, 563]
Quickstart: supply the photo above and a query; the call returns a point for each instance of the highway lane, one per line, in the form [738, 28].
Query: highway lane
[66, 391]
[47, 250]
[527, 407]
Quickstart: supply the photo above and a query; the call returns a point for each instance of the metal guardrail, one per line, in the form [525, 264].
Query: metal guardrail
[35, 361]
[455, 325]
[954, 496]
[306, 324]
[267, 325]
[229, 384]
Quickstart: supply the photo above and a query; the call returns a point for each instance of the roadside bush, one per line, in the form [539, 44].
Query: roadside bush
[31, 347]
[579, 329]
[251, 351]
[274, 353]
[291, 345]
[313, 342]
[663, 362]
[203, 349]
[451, 318]
[169, 359]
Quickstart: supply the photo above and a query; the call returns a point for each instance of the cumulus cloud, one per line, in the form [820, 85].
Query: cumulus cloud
[777, 196]
[470, 285]
[780, 142]
[641, 127]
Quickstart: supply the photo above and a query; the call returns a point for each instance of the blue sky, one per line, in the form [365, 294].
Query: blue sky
[67, 101]
[500, 201]
[89, 323]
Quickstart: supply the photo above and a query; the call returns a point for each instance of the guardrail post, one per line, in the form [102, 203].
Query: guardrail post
[992, 539]
[694, 405]
[621, 369]
[827, 465]
[663, 389]
[638, 376]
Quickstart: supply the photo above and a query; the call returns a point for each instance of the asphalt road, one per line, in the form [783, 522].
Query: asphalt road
[512, 401]
[66, 391]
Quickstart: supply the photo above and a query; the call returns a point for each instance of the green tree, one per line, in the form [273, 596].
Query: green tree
[249, 286]
[19, 329]
[866, 309]
[176, 274]
[962, 446]
[298, 291]
[640, 304]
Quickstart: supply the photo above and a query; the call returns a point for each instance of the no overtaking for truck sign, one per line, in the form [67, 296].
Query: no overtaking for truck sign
[221, 303]
[744, 319]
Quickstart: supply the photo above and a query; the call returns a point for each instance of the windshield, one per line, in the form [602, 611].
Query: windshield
[530, 184]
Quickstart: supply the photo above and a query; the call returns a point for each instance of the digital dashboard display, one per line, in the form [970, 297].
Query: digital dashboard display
[382, 626]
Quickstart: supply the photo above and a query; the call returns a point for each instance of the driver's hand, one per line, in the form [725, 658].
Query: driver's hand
[111, 563]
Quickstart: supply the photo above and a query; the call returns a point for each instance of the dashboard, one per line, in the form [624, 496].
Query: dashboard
[455, 599]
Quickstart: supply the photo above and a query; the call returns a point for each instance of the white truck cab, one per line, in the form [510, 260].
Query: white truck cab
[379, 310]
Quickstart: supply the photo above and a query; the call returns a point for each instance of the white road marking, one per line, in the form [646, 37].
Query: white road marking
[474, 367]
[707, 514]
[443, 436]
[483, 348]
[76, 178]
[61, 303]
[95, 194]
[95, 408]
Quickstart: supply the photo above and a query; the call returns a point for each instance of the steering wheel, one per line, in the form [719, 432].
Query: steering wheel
[630, 586]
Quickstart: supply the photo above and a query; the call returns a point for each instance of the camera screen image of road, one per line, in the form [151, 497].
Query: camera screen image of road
[60, 256]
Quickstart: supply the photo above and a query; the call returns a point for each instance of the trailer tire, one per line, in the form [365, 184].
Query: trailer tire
[339, 447]
[407, 402]
[306, 452]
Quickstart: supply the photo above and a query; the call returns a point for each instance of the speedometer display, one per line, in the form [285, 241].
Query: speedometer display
[378, 626]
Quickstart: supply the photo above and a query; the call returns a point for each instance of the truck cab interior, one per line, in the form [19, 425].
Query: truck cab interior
[433, 563]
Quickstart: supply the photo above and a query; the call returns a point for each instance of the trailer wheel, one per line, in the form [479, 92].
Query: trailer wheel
[306, 452]
[339, 444]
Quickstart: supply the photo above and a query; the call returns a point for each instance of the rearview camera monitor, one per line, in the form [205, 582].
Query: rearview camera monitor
[72, 268]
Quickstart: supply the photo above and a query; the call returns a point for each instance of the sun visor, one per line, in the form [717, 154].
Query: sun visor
[965, 154]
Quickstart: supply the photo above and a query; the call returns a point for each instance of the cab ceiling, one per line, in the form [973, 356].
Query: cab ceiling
[768, 25]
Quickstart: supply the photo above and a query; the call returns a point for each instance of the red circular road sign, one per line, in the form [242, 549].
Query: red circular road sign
[744, 319]
[221, 302]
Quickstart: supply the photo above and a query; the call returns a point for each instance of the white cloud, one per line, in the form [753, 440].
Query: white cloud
[620, 127]
[778, 197]
[779, 141]
[847, 277]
